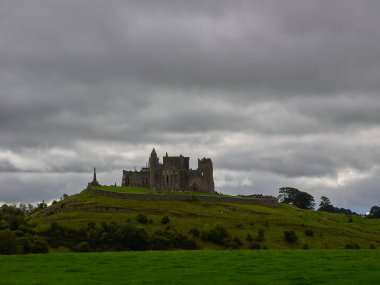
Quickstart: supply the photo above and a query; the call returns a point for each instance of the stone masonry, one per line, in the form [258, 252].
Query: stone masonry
[172, 174]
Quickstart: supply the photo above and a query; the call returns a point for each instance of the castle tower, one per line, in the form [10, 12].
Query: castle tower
[206, 171]
[153, 163]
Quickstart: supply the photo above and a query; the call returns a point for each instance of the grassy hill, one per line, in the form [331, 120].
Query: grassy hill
[314, 230]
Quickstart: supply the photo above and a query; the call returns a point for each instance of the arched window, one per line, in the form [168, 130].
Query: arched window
[194, 187]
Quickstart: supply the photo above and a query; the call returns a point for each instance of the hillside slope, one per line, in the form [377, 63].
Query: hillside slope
[265, 225]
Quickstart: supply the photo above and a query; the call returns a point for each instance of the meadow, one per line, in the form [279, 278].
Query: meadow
[195, 267]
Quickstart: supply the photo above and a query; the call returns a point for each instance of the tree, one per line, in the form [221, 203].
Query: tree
[374, 213]
[8, 242]
[290, 195]
[325, 205]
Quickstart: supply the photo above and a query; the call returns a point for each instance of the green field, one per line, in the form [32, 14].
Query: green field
[195, 267]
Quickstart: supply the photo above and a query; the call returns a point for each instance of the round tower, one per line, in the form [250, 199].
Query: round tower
[153, 163]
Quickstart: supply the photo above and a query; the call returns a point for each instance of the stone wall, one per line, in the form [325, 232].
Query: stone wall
[270, 202]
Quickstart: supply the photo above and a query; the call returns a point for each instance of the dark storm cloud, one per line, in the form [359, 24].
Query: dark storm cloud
[276, 92]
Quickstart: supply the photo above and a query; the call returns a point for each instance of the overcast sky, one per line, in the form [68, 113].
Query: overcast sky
[277, 93]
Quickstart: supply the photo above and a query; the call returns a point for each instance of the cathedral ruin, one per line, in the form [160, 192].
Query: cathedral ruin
[172, 174]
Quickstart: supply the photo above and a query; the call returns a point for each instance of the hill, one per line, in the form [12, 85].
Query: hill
[243, 225]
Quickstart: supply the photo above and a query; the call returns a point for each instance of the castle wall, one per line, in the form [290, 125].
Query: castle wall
[136, 179]
[271, 202]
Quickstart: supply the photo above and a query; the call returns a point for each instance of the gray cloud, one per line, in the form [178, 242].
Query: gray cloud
[275, 92]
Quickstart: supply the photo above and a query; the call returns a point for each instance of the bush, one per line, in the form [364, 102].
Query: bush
[8, 242]
[305, 246]
[372, 246]
[290, 236]
[132, 238]
[260, 235]
[352, 245]
[83, 247]
[217, 235]
[39, 245]
[142, 219]
[171, 239]
[159, 242]
[165, 220]
[249, 238]
[309, 233]
[234, 243]
[195, 232]
[255, 246]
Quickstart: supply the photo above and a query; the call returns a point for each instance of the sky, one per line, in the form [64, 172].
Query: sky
[277, 93]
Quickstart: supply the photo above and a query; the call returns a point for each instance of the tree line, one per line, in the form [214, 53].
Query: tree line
[303, 200]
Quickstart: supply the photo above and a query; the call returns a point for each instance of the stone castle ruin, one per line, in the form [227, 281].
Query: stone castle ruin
[172, 174]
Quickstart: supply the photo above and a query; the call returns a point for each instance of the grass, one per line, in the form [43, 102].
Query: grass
[140, 190]
[330, 231]
[195, 267]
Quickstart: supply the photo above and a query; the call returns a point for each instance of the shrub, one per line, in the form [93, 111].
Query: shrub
[165, 220]
[39, 245]
[350, 220]
[83, 247]
[159, 242]
[171, 239]
[218, 235]
[142, 219]
[132, 238]
[260, 235]
[309, 233]
[290, 236]
[255, 246]
[372, 246]
[305, 246]
[8, 242]
[352, 245]
[249, 238]
[235, 243]
[195, 232]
